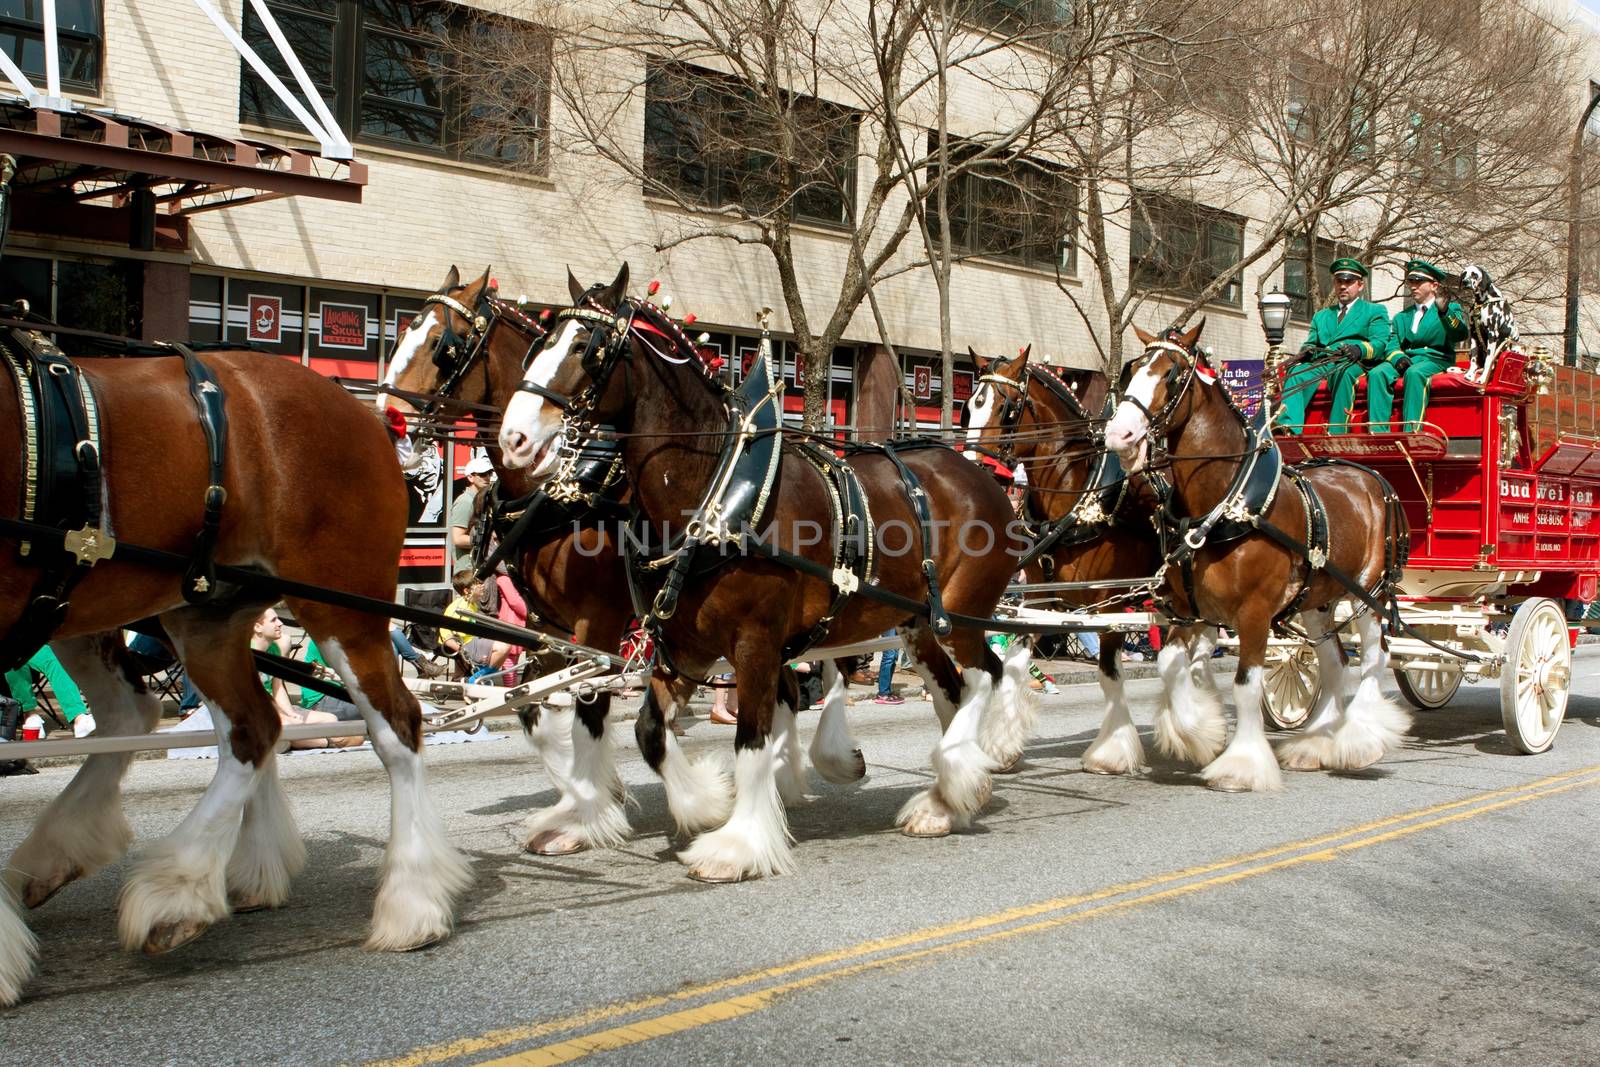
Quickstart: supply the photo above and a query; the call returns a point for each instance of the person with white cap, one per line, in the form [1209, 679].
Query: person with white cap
[479, 472]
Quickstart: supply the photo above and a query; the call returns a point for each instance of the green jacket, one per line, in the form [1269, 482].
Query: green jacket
[1365, 324]
[1435, 336]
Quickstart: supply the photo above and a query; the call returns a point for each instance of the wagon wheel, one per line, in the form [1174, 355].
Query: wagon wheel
[1429, 690]
[1537, 672]
[1290, 684]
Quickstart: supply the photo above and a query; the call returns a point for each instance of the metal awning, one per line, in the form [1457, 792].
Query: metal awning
[98, 158]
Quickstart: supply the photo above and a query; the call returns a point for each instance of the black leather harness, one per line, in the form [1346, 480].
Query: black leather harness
[63, 485]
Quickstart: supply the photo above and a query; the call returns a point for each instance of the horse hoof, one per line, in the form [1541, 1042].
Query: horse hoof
[244, 905]
[168, 936]
[1299, 761]
[716, 873]
[1229, 785]
[39, 890]
[1013, 767]
[554, 843]
[927, 824]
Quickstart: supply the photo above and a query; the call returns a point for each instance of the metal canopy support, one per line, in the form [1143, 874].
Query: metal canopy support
[332, 139]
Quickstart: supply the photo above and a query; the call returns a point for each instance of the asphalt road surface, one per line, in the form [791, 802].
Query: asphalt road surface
[1443, 907]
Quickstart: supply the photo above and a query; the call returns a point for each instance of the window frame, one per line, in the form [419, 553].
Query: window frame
[351, 28]
[1304, 305]
[967, 202]
[1165, 212]
[31, 29]
[714, 98]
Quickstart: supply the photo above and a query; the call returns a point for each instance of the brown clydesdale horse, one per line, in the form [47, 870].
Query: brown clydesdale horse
[1097, 519]
[297, 509]
[470, 345]
[621, 362]
[1247, 583]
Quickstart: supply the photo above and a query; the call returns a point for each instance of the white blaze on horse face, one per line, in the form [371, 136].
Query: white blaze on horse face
[980, 407]
[407, 347]
[530, 425]
[1125, 433]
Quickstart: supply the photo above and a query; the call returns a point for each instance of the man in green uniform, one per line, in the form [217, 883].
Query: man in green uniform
[1355, 331]
[1422, 343]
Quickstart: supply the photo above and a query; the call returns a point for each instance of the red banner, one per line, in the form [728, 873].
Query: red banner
[344, 326]
[923, 377]
[266, 319]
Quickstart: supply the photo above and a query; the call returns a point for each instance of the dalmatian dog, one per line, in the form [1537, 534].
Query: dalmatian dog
[1491, 323]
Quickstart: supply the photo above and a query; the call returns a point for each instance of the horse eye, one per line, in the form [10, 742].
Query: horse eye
[416, 323]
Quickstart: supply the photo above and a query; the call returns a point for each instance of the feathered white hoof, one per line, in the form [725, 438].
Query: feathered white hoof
[167, 903]
[962, 771]
[927, 815]
[731, 854]
[699, 792]
[269, 851]
[1371, 730]
[840, 768]
[1194, 734]
[1244, 771]
[64, 848]
[17, 951]
[416, 900]
[1115, 751]
[1305, 752]
[1012, 714]
[568, 826]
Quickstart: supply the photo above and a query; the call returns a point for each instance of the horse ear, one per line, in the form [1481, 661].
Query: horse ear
[451, 280]
[1194, 335]
[483, 280]
[981, 362]
[1027, 350]
[575, 287]
[1145, 339]
[619, 286]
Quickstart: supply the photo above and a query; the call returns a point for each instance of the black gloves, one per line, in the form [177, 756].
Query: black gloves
[1401, 364]
[1349, 350]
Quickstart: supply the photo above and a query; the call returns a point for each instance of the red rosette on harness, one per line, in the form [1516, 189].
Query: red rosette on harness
[395, 419]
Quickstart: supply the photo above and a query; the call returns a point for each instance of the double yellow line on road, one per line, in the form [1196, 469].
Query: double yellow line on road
[730, 998]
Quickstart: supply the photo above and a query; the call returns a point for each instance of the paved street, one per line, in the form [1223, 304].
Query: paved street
[1442, 908]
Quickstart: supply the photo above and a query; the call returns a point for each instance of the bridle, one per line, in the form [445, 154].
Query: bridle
[1018, 401]
[455, 355]
[607, 347]
[1176, 382]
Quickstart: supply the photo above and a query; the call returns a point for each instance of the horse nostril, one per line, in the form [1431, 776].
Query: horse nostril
[516, 441]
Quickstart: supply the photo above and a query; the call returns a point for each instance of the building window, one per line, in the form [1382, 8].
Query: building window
[1016, 209]
[388, 71]
[78, 36]
[707, 140]
[1016, 16]
[1179, 248]
[1307, 292]
[1440, 151]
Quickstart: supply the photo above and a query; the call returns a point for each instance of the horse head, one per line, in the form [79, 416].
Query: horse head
[1153, 386]
[570, 375]
[441, 343]
[994, 410]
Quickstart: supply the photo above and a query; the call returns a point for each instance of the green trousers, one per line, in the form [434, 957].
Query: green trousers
[61, 684]
[1299, 386]
[1342, 411]
[1380, 391]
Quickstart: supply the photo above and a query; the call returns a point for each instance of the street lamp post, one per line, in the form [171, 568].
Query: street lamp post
[1274, 309]
[1574, 214]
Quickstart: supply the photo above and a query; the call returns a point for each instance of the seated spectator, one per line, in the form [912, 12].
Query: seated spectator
[266, 634]
[154, 655]
[310, 699]
[485, 657]
[73, 709]
[425, 667]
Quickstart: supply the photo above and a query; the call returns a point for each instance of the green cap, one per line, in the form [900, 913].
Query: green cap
[1348, 266]
[1423, 271]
